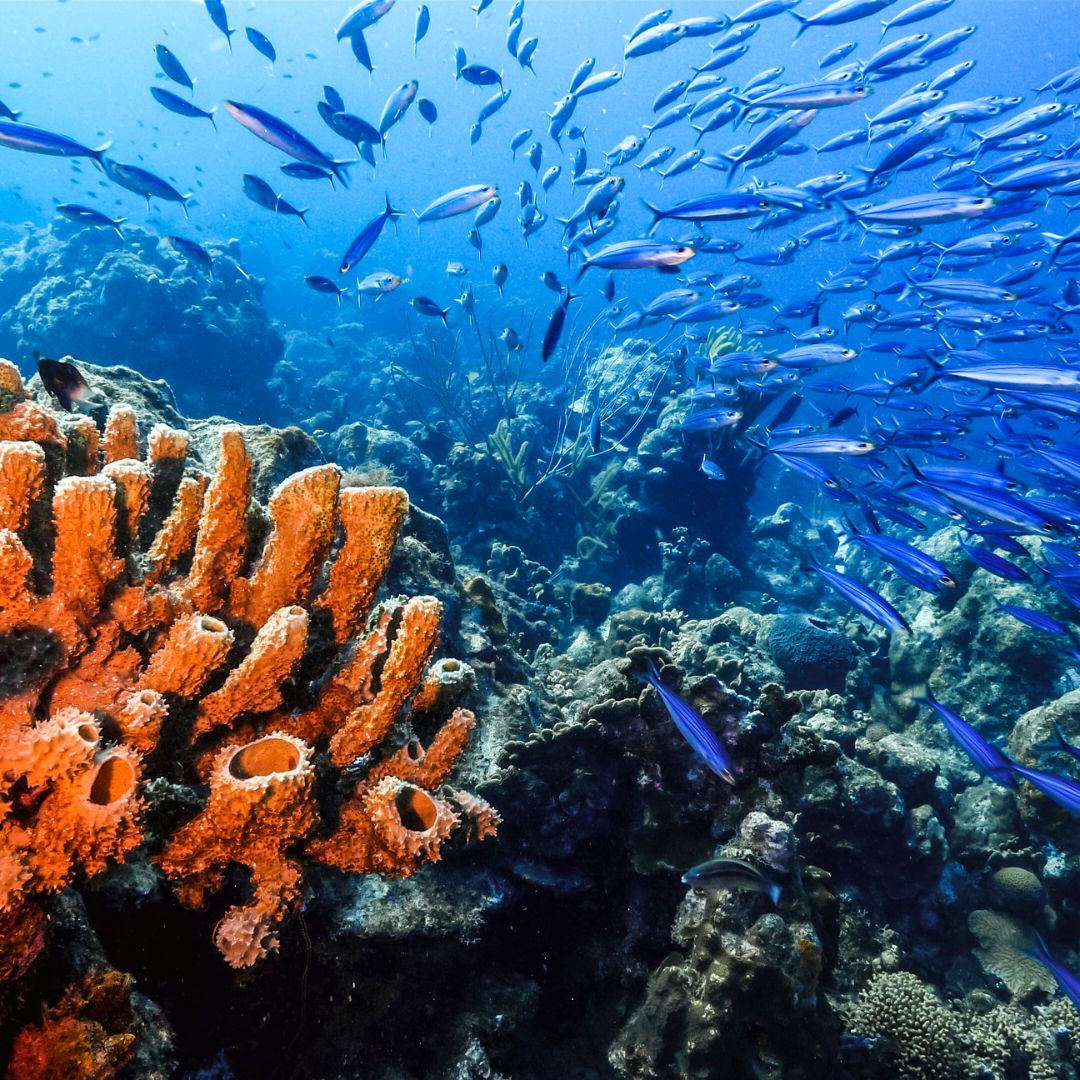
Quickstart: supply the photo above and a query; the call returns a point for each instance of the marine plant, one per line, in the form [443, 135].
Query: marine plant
[157, 622]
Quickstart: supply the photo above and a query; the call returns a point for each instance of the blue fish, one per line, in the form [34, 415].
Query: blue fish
[1060, 745]
[990, 761]
[1069, 983]
[861, 596]
[692, 724]
[367, 236]
[1062, 790]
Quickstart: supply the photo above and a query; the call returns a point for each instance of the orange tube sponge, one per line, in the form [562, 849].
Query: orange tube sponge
[261, 802]
[352, 682]
[255, 685]
[132, 480]
[17, 602]
[83, 446]
[429, 768]
[372, 518]
[121, 439]
[177, 535]
[417, 635]
[167, 444]
[195, 647]
[203, 630]
[222, 535]
[85, 812]
[22, 480]
[304, 514]
[84, 563]
[139, 717]
[391, 827]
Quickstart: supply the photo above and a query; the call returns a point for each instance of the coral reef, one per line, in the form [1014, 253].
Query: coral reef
[167, 617]
[70, 290]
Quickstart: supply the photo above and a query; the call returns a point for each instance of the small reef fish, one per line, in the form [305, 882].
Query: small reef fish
[424, 305]
[144, 183]
[323, 284]
[64, 382]
[194, 252]
[720, 873]
[283, 137]
[459, 201]
[378, 284]
[33, 140]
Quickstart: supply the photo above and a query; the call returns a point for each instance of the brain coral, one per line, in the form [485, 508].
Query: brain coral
[810, 656]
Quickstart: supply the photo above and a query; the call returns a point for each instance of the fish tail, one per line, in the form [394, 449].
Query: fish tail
[228, 38]
[302, 215]
[210, 117]
[340, 169]
[98, 155]
[773, 891]
[804, 23]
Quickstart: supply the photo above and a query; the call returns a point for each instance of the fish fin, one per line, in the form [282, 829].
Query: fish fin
[658, 215]
[804, 24]
[302, 215]
[773, 891]
[97, 156]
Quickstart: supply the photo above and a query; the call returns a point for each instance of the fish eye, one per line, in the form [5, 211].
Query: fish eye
[948, 581]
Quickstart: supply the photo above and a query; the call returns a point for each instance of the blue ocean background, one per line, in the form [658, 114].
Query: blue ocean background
[85, 67]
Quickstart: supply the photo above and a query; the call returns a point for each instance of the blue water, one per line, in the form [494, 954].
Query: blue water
[99, 90]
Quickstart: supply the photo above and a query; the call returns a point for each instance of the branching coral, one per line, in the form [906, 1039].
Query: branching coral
[148, 615]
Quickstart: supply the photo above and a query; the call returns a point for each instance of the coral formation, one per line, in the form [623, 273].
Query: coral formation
[180, 636]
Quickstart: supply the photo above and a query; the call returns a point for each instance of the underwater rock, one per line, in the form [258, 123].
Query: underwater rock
[811, 656]
[276, 453]
[81, 291]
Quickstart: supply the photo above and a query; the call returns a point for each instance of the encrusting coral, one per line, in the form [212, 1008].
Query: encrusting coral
[152, 616]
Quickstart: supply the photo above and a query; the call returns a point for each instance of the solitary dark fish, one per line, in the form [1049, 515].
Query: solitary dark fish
[360, 51]
[426, 306]
[195, 252]
[262, 194]
[323, 284]
[64, 382]
[261, 43]
[555, 328]
[721, 873]
[299, 170]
